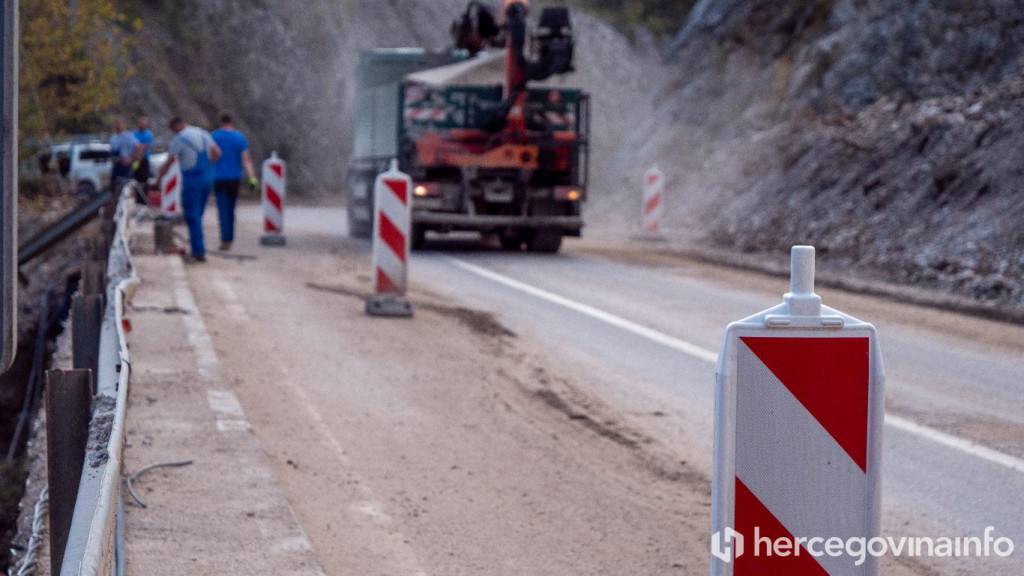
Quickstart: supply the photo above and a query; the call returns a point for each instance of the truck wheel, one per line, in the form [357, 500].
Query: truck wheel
[419, 238]
[358, 228]
[513, 242]
[545, 240]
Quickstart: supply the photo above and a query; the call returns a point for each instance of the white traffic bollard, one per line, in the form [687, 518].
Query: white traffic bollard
[653, 202]
[391, 243]
[799, 407]
[170, 190]
[273, 188]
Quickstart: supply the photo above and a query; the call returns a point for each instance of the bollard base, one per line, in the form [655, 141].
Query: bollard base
[389, 306]
[272, 240]
[653, 237]
[163, 236]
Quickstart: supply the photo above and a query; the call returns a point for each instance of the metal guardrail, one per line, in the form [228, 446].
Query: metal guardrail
[91, 546]
[78, 217]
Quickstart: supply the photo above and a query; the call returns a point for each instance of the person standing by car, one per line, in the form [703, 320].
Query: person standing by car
[228, 175]
[125, 151]
[145, 137]
[196, 153]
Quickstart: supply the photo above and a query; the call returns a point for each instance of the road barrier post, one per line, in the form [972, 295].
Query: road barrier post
[86, 323]
[653, 202]
[273, 188]
[799, 407]
[94, 277]
[391, 243]
[170, 190]
[68, 408]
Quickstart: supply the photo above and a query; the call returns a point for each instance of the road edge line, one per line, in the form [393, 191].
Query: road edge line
[958, 443]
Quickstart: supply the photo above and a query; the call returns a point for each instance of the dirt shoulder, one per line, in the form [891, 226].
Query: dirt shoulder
[441, 444]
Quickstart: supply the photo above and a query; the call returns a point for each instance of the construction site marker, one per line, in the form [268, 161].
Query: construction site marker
[170, 190]
[392, 220]
[273, 189]
[653, 208]
[798, 435]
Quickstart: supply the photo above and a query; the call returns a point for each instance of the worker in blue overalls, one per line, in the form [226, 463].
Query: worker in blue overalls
[196, 152]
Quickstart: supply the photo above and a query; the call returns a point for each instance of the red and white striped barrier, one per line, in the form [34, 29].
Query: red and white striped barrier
[273, 187]
[170, 189]
[798, 436]
[391, 243]
[654, 201]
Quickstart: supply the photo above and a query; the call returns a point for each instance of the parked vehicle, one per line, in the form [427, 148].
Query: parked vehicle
[86, 165]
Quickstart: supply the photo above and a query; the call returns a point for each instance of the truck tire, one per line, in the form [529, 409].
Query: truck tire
[419, 238]
[512, 242]
[544, 240]
[359, 228]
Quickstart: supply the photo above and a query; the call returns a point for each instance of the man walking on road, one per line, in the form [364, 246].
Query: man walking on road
[145, 137]
[228, 175]
[125, 151]
[196, 152]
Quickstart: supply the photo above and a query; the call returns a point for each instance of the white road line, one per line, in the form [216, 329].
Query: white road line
[948, 440]
[607, 317]
[956, 442]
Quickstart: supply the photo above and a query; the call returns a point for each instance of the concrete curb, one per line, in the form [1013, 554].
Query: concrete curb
[896, 292]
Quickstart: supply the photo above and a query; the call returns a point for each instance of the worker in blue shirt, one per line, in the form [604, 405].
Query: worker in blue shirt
[228, 175]
[145, 137]
[196, 153]
[125, 151]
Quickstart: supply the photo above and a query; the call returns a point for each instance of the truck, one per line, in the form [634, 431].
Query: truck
[487, 152]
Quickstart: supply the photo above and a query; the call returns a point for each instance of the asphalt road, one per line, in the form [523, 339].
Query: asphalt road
[641, 331]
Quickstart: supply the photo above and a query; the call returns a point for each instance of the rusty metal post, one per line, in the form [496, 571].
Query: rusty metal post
[94, 277]
[68, 407]
[86, 323]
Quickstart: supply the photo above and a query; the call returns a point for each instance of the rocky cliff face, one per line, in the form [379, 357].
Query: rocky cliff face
[287, 70]
[885, 132]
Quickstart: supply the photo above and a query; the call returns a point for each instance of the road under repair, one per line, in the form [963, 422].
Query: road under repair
[538, 415]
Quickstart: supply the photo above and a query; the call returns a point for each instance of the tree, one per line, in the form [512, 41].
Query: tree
[73, 65]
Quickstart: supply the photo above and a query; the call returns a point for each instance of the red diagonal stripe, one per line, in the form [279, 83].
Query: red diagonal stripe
[651, 203]
[829, 377]
[171, 184]
[384, 284]
[651, 179]
[278, 169]
[274, 198]
[392, 236]
[750, 514]
[269, 225]
[400, 188]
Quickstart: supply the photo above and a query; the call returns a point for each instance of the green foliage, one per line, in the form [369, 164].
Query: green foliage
[73, 65]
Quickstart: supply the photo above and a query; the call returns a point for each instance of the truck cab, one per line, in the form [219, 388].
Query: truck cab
[445, 117]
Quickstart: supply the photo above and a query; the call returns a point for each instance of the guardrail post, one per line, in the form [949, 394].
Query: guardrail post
[94, 278]
[86, 322]
[68, 406]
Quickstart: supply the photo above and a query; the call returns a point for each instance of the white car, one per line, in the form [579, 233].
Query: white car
[86, 165]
